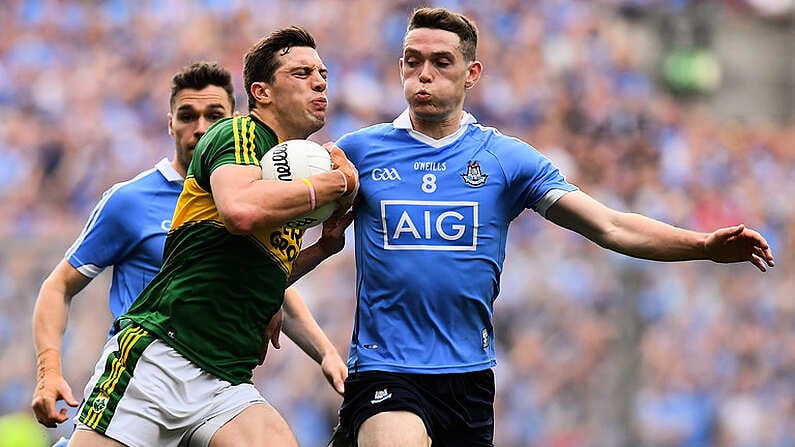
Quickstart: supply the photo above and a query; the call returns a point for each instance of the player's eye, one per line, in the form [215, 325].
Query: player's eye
[186, 117]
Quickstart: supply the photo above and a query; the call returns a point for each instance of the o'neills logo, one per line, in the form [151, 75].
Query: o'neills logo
[280, 163]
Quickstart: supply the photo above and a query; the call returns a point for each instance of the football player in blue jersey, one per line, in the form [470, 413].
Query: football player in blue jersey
[127, 230]
[437, 193]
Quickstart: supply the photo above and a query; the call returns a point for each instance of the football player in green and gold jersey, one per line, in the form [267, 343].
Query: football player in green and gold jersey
[179, 370]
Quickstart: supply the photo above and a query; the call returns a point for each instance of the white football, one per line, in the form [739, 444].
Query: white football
[293, 160]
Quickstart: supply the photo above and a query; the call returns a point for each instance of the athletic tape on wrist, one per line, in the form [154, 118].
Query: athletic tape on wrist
[345, 180]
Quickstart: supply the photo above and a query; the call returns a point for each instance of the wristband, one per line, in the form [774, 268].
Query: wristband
[344, 179]
[312, 198]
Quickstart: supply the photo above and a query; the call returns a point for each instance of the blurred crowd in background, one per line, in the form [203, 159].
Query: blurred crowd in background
[681, 110]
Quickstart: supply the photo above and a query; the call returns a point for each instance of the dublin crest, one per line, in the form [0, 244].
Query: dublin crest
[473, 176]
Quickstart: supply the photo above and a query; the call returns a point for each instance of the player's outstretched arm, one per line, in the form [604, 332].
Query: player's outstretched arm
[302, 328]
[643, 237]
[49, 323]
[738, 244]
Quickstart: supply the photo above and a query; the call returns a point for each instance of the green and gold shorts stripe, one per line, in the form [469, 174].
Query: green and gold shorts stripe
[119, 367]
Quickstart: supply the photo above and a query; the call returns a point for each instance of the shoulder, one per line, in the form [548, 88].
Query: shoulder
[129, 190]
[241, 133]
[240, 126]
[361, 142]
[239, 130]
[500, 145]
[365, 134]
[117, 201]
[220, 130]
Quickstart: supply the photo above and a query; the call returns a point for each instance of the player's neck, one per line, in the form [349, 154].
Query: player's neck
[282, 133]
[179, 167]
[437, 129]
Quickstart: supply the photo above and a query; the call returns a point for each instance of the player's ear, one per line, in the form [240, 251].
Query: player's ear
[170, 124]
[473, 74]
[262, 92]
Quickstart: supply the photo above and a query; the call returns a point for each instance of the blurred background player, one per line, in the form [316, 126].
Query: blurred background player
[438, 192]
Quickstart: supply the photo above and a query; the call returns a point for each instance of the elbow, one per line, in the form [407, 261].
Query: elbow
[606, 236]
[238, 227]
[246, 219]
[238, 220]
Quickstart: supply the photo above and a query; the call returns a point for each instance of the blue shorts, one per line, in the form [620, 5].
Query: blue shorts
[457, 409]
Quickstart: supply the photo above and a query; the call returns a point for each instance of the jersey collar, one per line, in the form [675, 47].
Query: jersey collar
[168, 171]
[403, 121]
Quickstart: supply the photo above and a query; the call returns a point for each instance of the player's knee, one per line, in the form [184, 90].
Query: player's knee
[257, 425]
[393, 428]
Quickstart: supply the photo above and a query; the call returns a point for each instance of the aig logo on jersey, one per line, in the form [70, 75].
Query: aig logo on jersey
[429, 225]
[385, 174]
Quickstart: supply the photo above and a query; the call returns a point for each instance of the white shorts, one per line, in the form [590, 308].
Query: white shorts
[144, 393]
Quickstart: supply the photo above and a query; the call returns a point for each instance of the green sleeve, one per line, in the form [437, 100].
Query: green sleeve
[235, 140]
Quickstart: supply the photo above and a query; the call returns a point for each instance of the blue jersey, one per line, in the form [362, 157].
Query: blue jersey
[127, 230]
[430, 230]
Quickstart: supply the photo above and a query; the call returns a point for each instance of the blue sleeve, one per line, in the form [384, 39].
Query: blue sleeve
[351, 144]
[530, 175]
[106, 238]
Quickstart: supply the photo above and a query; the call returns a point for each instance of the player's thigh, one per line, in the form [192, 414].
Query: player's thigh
[258, 425]
[393, 429]
[90, 438]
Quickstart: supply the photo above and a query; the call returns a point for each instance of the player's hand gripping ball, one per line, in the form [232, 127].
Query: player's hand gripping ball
[293, 160]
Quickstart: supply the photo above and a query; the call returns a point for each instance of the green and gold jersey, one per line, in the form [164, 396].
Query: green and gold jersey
[216, 291]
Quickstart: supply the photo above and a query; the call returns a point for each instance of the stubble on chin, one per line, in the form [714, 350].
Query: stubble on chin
[316, 122]
[426, 111]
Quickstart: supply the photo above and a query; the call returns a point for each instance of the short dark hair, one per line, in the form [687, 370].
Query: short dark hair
[444, 19]
[199, 75]
[260, 62]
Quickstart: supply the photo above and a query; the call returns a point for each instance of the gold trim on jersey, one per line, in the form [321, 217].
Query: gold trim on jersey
[194, 204]
[245, 149]
[282, 244]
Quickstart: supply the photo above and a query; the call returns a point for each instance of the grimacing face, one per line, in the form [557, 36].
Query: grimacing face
[194, 111]
[299, 92]
[435, 74]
